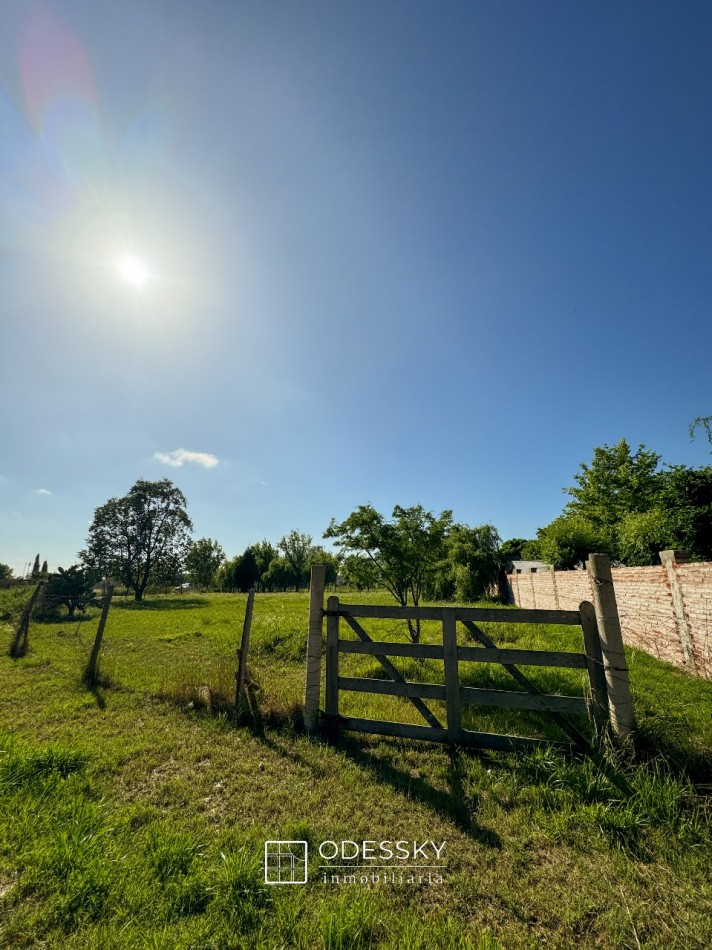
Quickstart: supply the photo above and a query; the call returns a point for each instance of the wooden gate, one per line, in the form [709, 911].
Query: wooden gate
[453, 693]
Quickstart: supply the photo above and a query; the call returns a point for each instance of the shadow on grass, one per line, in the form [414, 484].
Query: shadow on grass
[162, 603]
[99, 694]
[669, 741]
[456, 803]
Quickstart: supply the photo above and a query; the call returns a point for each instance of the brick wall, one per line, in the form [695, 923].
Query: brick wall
[652, 619]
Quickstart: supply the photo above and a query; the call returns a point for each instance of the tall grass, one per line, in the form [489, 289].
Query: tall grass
[140, 822]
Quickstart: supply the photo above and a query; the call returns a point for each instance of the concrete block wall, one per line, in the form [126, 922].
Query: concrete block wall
[665, 610]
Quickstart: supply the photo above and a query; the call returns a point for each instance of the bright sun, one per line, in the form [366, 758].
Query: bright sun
[133, 271]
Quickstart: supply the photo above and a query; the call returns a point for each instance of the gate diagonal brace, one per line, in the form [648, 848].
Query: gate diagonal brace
[424, 711]
[579, 739]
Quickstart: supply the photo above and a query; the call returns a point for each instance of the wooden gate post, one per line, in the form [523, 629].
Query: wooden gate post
[614, 662]
[317, 585]
[596, 673]
[452, 677]
[332, 666]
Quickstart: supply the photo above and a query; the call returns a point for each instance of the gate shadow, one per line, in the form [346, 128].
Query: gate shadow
[455, 804]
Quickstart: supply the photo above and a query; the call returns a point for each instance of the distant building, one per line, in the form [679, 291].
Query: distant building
[527, 567]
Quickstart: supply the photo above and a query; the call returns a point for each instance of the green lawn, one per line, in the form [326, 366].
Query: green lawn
[132, 816]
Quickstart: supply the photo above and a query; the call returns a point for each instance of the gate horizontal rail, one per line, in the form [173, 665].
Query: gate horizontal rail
[576, 661]
[483, 614]
[452, 693]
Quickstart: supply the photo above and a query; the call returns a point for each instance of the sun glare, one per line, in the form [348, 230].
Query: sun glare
[133, 271]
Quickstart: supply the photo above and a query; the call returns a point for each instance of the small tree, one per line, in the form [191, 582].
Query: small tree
[472, 562]
[73, 588]
[202, 561]
[280, 575]
[45, 570]
[569, 539]
[331, 561]
[295, 548]
[36, 568]
[6, 572]
[247, 573]
[405, 551]
[239, 573]
[264, 553]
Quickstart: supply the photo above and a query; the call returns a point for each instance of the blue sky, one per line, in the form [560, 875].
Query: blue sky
[399, 253]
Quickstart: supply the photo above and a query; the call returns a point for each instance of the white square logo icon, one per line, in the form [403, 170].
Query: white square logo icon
[285, 862]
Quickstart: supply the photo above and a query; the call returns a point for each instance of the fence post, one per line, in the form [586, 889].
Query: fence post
[594, 663]
[669, 559]
[21, 639]
[244, 647]
[452, 676]
[332, 664]
[614, 662]
[91, 674]
[317, 585]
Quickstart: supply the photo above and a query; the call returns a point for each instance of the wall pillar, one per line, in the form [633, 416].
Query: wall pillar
[669, 560]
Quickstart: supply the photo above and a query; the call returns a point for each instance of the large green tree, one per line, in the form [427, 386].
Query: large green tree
[134, 538]
[685, 497]
[617, 482]
[625, 505]
[405, 551]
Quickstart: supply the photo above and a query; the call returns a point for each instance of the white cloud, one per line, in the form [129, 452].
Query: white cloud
[179, 457]
[43, 491]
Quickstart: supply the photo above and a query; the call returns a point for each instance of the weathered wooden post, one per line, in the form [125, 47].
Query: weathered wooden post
[317, 585]
[452, 677]
[244, 647]
[91, 674]
[332, 666]
[614, 662]
[21, 639]
[596, 672]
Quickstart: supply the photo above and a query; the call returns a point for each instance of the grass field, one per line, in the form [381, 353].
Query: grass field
[133, 816]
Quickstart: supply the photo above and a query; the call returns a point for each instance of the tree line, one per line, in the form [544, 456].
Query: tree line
[623, 503]
[628, 505]
[143, 539]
